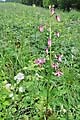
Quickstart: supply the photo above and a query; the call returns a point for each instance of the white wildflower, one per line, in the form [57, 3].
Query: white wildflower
[21, 89]
[19, 77]
[62, 109]
[37, 75]
[8, 85]
[34, 5]
[11, 95]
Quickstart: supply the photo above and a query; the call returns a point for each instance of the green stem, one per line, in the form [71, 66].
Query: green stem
[47, 99]
[50, 38]
[48, 78]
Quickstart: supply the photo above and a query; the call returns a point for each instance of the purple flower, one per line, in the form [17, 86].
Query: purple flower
[49, 42]
[41, 28]
[58, 73]
[40, 61]
[59, 57]
[58, 18]
[55, 66]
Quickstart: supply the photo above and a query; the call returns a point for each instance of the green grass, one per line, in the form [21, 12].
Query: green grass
[20, 44]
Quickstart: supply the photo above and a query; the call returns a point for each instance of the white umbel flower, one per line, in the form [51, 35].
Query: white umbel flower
[19, 77]
[11, 95]
[8, 85]
[21, 89]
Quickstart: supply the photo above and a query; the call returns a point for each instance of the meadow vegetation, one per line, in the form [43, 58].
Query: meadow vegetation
[30, 87]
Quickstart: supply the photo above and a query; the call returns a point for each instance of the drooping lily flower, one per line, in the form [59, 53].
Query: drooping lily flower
[40, 61]
[59, 57]
[41, 28]
[58, 18]
[58, 73]
[55, 65]
[52, 11]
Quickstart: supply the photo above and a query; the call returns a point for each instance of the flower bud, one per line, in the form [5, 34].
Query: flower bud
[57, 34]
[46, 50]
[49, 42]
[49, 6]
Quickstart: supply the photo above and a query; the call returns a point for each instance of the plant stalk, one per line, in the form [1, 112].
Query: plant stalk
[49, 77]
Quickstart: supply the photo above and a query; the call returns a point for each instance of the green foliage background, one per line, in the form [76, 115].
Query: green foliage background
[20, 44]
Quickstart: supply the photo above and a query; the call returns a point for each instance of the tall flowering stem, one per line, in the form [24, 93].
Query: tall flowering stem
[50, 59]
[51, 66]
[50, 39]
